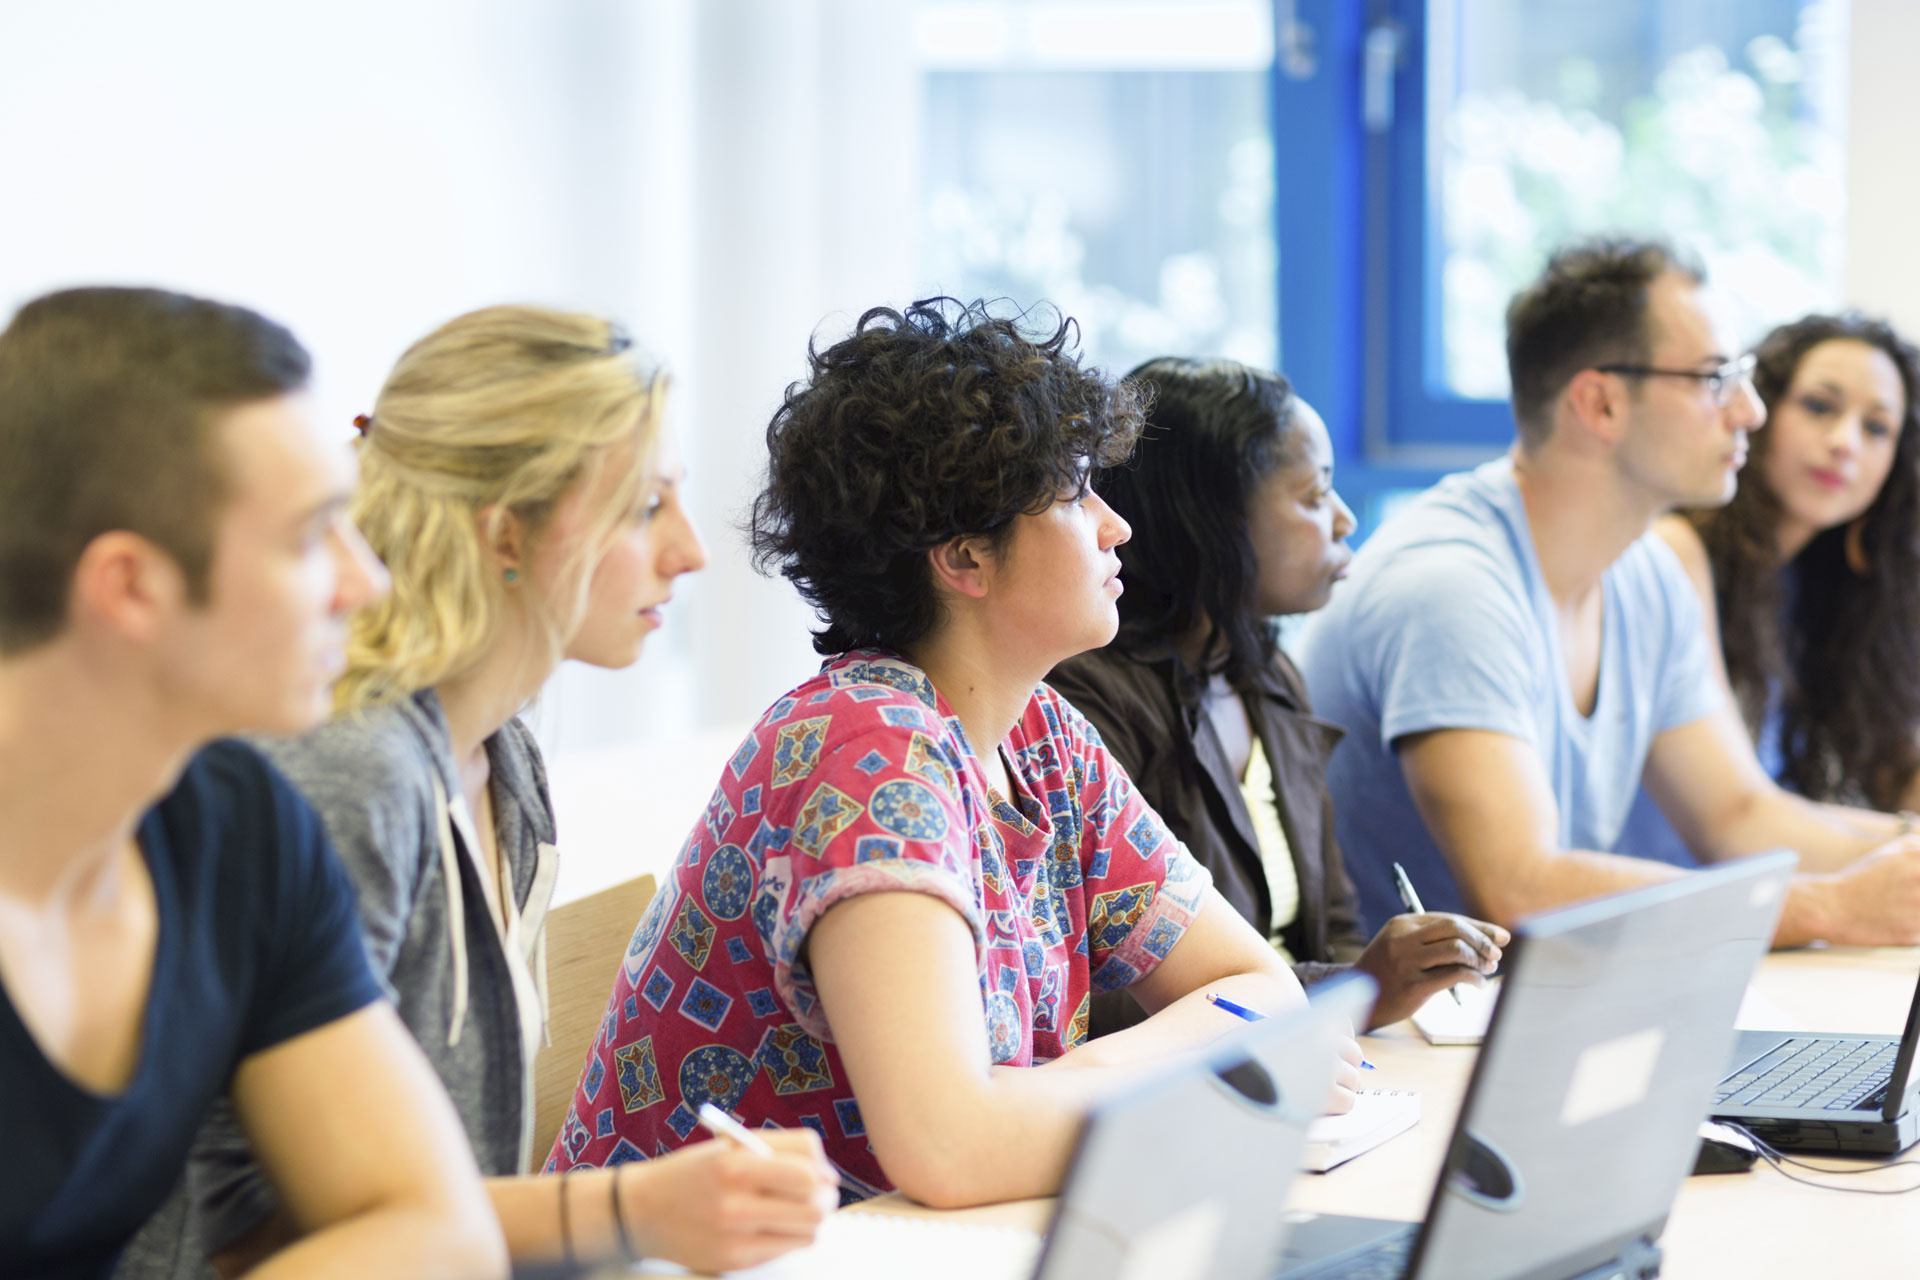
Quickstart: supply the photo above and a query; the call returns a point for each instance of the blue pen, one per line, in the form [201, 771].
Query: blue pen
[1254, 1015]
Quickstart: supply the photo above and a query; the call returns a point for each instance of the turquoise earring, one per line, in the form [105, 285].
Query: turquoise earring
[512, 575]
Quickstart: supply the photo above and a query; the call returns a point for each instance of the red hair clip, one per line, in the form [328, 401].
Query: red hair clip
[362, 423]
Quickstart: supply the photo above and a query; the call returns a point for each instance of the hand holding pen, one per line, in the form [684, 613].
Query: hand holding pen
[1254, 1015]
[1343, 1089]
[1417, 954]
[721, 1125]
[716, 1206]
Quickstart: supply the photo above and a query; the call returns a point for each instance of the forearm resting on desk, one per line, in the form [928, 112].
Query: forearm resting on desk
[1827, 837]
[1860, 881]
[1556, 878]
[1220, 953]
[1873, 903]
[710, 1206]
[898, 980]
[1489, 806]
[1707, 782]
[1487, 802]
[359, 1139]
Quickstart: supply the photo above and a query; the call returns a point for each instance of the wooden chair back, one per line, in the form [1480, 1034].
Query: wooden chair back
[585, 942]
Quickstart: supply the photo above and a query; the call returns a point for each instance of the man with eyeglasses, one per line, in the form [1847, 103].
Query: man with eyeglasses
[1514, 651]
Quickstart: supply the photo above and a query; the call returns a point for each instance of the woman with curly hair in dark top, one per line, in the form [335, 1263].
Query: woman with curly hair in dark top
[1236, 523]
[1810, 578]
[921, 864]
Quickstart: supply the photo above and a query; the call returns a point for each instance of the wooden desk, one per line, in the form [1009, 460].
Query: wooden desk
[1755, 1224]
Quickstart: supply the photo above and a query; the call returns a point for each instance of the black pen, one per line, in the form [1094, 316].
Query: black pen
[1411, 901]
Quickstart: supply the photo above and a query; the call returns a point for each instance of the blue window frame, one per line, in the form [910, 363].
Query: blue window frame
[1344, 293]
[1406, 130]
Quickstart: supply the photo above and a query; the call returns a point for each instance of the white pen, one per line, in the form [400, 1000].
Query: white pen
[721, 1125]
[1411, 901]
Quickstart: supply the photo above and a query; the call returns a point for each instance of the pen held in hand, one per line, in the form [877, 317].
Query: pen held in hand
[1253, 1015]
[1411, 901]
[721, 1125]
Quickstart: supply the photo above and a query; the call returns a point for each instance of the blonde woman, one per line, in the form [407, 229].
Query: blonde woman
[517, 481]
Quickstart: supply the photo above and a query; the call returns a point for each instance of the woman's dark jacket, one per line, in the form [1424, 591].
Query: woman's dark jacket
[1155, 727]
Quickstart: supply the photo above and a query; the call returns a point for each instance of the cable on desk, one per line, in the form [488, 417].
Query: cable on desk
[1778, 1160]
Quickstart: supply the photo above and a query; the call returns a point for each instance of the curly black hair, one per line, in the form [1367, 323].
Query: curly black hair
[1842, 654]
[940, 422]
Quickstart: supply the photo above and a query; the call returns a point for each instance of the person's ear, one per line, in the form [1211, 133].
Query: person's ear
[126, 584]
[504, 535]
[1597, 404]
[963, 566]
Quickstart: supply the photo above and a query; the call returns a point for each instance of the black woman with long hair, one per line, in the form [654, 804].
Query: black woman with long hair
[1236, 522]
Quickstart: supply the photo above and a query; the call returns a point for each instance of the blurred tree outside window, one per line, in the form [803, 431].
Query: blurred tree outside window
[1719, 125]
[1112, 159]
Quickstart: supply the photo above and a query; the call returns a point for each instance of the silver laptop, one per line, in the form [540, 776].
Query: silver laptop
[1837, 1094]
[1581, 1119]
[1182, 1175]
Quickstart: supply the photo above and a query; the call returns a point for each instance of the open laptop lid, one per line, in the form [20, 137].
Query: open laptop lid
[1185, 1175]
[1581, 1118]
[1901, 1082]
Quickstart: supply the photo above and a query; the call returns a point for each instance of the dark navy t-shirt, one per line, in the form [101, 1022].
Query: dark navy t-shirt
[258, 943]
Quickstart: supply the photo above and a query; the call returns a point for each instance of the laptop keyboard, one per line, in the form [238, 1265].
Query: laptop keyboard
[1830, 1075]
[1384, 1261]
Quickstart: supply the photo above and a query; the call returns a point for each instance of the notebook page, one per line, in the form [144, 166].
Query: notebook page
[1373, 1110]
[878, 1246]
[1377, 1115]
[1442, 1021]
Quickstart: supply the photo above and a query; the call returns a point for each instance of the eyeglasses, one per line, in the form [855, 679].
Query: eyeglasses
[1721, 383]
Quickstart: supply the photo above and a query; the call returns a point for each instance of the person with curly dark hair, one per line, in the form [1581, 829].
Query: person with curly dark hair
[1810, 578]
[1236, 522]
[922, 864]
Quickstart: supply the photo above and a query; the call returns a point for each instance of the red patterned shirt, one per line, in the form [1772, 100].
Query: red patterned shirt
[861, 781]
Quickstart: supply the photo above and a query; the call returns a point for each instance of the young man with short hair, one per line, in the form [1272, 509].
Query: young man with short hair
[175, 568]
[1514, 651]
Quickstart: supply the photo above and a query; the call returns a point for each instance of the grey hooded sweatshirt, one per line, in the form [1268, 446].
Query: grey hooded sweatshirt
[385, 785]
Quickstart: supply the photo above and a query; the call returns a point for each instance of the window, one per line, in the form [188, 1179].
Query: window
[1718, 125]
[1113, 159]
[1431, 153]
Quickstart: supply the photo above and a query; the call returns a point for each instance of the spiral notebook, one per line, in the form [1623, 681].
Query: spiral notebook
[1377, 1115]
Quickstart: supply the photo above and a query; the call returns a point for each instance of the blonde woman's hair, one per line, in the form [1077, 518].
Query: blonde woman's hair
[505, 408]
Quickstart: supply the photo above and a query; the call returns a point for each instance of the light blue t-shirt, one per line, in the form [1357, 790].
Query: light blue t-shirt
[1648, 834]
[1445, 623]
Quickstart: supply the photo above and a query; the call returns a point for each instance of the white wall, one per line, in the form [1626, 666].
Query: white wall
[722, 174]
[1883, 161]
[777, 194]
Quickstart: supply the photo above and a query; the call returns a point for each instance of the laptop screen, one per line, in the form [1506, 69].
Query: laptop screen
[1192, 1167]
[1580, 1121]
[1902, 1079]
